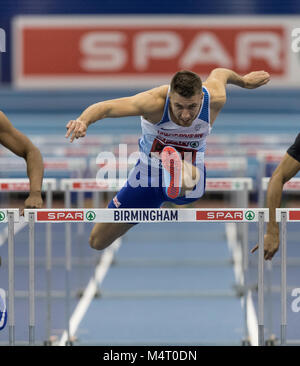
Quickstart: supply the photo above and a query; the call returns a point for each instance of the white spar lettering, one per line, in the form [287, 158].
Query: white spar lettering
[155, 45]
[103, 51]
[65, 215]
[206, 48]
[259, 45]
[225, 215]
[109, 50]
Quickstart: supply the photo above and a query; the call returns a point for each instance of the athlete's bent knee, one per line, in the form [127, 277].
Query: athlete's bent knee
[98, 243]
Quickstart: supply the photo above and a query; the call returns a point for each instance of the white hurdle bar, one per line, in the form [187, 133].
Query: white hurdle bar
[10, 216]
[236, 215]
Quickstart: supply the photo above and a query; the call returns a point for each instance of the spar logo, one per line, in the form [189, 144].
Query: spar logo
[60, 216]
[2, 216]
[250, 215]
[225, 215]
[90, 215]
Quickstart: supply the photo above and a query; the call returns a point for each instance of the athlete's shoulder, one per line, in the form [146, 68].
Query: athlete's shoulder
[216, 92]
[4, 122]
[159, 92]
[157, 96]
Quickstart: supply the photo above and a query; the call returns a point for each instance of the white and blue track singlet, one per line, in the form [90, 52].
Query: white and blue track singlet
[185, 139]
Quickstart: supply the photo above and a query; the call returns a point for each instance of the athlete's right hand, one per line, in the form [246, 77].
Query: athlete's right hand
[271, 245]
[76, 128]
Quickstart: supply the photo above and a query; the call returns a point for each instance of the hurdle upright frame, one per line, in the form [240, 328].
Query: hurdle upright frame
[10, 216]
[49, 186]
[153, 215]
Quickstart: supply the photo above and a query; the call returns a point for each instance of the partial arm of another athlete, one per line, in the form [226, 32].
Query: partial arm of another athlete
[20, 145]
[287, 169]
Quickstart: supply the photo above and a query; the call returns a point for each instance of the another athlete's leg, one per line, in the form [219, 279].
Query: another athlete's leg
[104, 234]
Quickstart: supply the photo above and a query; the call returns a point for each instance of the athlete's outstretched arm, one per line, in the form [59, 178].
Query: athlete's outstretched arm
[137, 105]
[219, 78]
[20, 145]
[249, 81]
[287, 169]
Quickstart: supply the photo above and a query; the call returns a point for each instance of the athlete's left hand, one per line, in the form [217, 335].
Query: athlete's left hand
[256, 79]
[33, 201]
[76, 128]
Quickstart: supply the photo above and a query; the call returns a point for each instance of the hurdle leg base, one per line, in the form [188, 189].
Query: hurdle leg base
[246, 343]
[48, 343]
[270, 342]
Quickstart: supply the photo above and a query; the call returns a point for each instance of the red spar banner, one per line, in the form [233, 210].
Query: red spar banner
[60, 216]
[96, 51]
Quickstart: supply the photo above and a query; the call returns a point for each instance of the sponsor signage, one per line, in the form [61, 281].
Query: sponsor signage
[145, 51]
[70, 215]
[225, 215]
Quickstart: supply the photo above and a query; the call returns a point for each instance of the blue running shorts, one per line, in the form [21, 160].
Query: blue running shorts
[148, 197]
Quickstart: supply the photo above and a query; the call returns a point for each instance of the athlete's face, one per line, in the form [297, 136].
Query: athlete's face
[185, 110]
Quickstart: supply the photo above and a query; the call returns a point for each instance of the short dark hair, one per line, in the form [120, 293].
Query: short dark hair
[186, 83]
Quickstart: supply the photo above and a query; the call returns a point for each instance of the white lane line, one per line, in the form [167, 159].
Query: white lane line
[236, 249]
[91, 289]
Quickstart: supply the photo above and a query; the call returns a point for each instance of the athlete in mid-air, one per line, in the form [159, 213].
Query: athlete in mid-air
[19, 144]
[176, 119]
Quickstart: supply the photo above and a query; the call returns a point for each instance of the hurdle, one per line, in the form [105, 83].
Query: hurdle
[290, 187]
[240, 186]
[10, 216]
[49, 185]
[238, 215]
